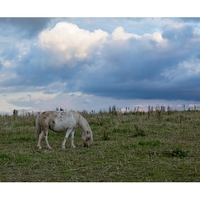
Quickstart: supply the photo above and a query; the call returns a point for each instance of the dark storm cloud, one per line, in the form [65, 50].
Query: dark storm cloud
[25, 27]
[181, 34]
[36, 69]
[132, 71]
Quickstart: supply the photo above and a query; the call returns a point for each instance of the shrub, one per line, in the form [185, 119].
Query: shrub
[177, 152]
[139, 132]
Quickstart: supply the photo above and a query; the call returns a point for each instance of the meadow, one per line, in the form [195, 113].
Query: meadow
[130, 147]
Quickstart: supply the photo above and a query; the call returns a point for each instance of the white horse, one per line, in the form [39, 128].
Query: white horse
[60, 122]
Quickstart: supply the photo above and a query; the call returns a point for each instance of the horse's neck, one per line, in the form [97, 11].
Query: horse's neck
[82, 123]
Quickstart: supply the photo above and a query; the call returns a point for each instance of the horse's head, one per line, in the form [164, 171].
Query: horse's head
[87, 138]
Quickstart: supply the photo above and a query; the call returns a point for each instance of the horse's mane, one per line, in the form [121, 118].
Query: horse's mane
[79, 118]
[82, 122]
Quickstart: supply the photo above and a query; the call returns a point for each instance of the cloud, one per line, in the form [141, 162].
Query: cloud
[178, 33]
[119, 34]
[69, 44]
[23, 27]
[135, 66]
[125, 63]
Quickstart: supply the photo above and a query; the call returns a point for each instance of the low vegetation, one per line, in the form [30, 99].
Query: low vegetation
[130, 147]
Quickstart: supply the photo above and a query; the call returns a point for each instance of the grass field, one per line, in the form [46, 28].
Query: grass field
[132, 147]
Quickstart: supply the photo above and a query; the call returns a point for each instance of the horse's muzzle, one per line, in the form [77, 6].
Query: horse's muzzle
[86, 145]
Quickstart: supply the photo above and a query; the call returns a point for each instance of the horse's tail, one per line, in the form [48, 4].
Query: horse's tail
[38, 128]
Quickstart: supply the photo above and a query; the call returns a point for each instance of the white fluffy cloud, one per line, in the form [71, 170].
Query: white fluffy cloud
[119, 34]
[69, 43]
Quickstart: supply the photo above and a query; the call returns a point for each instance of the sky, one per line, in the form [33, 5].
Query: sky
[91, 63]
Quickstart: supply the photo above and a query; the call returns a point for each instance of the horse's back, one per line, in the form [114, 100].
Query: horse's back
[57, 121]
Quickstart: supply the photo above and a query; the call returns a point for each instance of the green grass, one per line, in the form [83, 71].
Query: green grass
[127, 148]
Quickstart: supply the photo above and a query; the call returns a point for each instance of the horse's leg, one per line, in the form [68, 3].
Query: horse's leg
[72, 140]
[39, 140]
[66, 136]
[46, 138]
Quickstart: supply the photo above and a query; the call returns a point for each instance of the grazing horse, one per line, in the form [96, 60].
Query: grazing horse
[60, 122]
